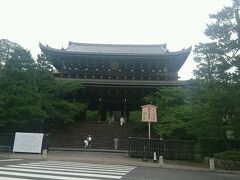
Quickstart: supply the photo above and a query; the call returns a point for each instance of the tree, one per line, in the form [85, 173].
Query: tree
[6, 49]
[220, 59]
[20, 100]
[215, 109]
[30, 98]
[59, 102]
[218, 71]
[174, 112]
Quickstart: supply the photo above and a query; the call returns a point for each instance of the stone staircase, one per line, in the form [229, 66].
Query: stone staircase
[73, 134]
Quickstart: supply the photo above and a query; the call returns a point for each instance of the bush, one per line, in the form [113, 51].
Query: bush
[210, 146]
[135, 117]
[228, 155]
[91, 115]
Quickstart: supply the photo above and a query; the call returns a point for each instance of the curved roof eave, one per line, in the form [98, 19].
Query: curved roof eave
[62, 51]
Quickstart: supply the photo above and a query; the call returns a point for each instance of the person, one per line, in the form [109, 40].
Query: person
[109, 120]
[85, 143]
[89, 139]
[113, 118]
[115, 142]
[122, 121]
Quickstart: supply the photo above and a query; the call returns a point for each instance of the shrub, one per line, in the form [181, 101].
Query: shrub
[91, 115]
[228, 155]
[135, 117]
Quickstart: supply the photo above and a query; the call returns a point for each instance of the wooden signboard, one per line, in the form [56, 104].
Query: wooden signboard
[149, 114]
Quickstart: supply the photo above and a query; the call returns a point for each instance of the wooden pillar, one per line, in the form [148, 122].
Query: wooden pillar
[104, 114]
[99, 113]
[125, 112]
[84, 115]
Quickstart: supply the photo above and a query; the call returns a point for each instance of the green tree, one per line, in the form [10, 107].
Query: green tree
[218, 72]
[220, 59]
[6, 49]
[174, 112]
[20, 100]
[59, 101]
[30, 98]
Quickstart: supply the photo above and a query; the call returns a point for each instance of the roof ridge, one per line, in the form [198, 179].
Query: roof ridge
[71, 43]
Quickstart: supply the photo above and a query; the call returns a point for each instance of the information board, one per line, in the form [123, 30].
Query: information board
[149, 113]
[28, 142]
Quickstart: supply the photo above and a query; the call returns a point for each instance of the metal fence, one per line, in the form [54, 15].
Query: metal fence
[7, 141]
[169, 149]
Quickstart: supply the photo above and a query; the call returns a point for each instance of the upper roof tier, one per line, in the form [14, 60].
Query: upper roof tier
[113, 49]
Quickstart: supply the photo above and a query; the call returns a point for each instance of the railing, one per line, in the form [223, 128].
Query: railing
[100, 74]
[7, 141]
[169, 149]
[180, 150]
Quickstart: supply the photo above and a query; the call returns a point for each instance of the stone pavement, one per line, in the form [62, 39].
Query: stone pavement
[120, 158]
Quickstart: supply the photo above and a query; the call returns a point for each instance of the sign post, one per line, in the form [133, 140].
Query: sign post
[149, 114]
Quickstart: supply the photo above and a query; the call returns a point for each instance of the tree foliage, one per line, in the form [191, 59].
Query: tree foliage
[210, 105]
[220, 59]
[218, 71]
[30, 98]
[7, 48]
[174, 112]
[197, 111]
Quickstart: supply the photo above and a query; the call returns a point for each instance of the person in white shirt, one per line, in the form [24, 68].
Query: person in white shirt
[115, 142]
[122, 121]
[85, 144]
[89, 139]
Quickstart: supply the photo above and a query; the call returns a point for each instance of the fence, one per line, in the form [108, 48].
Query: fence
[169, 149]
[7, 141]
[179, 149]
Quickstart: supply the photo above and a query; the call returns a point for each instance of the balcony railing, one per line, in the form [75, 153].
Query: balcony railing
[109, 74]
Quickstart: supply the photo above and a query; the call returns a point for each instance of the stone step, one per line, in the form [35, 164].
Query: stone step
[102, 133]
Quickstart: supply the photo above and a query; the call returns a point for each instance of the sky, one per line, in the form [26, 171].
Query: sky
[178, 23]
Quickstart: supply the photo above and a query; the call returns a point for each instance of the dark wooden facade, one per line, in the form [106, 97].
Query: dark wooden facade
[116, 77]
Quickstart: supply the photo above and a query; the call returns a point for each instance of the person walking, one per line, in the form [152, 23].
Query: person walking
[122, 121]
[113, 118]
[85, 143]
[115, 142]
[89, 139]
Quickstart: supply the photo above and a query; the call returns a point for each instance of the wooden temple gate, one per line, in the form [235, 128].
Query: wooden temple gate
[117, 77]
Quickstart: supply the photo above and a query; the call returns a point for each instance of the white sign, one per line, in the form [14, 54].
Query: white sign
[28, 142]
[149, 113]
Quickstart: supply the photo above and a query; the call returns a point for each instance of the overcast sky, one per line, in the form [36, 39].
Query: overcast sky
[179, 23]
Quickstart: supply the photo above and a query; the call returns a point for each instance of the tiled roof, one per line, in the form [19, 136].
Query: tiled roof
[116, 48]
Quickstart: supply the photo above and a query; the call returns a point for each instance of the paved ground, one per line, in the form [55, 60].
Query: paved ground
[109, 158]
[151, 173]
[20, 169]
